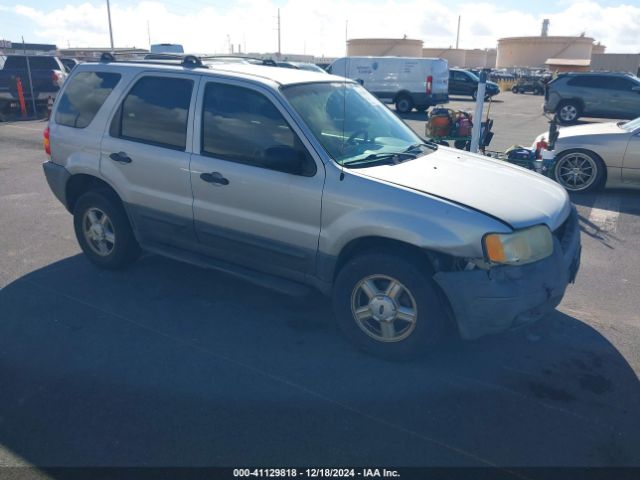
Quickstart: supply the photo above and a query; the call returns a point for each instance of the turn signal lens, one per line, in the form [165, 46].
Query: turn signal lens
[520, 247]
[47, 145]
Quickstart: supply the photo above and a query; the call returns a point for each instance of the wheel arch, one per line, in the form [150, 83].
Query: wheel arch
[81, 183]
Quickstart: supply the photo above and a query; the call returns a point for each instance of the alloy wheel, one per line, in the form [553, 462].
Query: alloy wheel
[384, 308]
[576, 171]
[98, 231]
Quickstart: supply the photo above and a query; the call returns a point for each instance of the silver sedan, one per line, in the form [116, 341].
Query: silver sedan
[596, 155]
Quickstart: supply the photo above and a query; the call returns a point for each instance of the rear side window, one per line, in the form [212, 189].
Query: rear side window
[155, 112]
[590, 81]
[83, 97]
[623, 84]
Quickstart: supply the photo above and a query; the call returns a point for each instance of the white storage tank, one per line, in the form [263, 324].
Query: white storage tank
[535, 51]
[384, 47]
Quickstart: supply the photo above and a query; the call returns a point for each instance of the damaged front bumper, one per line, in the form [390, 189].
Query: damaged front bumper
[505, 297]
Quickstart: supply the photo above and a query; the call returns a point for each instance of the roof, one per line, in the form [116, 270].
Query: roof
[573, 62]
[259, 73]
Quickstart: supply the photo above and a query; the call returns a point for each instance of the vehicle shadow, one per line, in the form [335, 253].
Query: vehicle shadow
[610, 204]
[165, 364]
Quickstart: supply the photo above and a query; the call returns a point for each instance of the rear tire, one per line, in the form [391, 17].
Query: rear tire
[387, 306]
[515, 90]
[103, 230]
[568, 112]
[404, 104]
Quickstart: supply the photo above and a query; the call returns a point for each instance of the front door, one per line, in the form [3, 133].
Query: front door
[248, 208]
[631, 162]
[146, 154]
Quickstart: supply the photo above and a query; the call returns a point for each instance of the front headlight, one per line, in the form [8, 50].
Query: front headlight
[520, 247]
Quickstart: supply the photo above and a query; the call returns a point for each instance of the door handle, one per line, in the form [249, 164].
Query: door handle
[214, 177]
[120, 157]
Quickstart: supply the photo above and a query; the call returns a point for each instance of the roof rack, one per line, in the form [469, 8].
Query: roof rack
[188, 61]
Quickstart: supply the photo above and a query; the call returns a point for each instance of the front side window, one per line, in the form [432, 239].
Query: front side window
[242, 125]
[83, 97]
[350, 123]
[155, 111]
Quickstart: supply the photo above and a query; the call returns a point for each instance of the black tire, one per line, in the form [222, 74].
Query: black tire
[404, 104]
[430, 319]
[588, 162]
[124, 249]
[538, 91]
[568, 112]
[515, 89]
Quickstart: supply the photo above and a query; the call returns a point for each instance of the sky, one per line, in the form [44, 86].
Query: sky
[313, 27]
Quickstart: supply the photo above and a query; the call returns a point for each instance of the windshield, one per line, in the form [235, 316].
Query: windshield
[631, 125]
[351, 124]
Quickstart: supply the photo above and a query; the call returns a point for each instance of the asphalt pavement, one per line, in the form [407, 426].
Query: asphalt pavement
[166, 364]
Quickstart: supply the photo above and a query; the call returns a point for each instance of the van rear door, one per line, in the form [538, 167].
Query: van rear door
[440, 74]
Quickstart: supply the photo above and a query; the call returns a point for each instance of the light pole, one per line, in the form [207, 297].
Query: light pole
[110, 30]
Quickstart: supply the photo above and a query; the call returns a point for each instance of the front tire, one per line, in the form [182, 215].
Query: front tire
[387, 306]
[103, 230]
[579, 171]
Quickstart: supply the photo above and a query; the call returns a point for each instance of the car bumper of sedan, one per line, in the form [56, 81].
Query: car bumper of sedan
[505, 297]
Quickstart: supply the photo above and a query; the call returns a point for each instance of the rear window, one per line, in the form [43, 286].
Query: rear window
[36, 63]
[83, 97]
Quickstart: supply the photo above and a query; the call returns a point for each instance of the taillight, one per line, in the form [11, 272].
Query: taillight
[47, 145]
[429, 84]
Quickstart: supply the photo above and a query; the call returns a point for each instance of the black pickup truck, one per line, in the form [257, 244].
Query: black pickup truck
[48, 75]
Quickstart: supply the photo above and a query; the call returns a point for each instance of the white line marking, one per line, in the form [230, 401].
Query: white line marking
[24, 127]
[605, 212]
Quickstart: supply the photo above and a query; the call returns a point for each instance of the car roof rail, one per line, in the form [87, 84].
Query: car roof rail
[187, 61]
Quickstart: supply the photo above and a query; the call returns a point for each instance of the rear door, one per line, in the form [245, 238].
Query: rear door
[145, 152]
[246, 211]
[439, 69]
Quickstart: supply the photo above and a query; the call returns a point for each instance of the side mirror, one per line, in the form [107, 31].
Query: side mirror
[283, 158]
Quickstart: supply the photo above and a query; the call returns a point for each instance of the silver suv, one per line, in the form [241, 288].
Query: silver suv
[595, 94]
[293, 179]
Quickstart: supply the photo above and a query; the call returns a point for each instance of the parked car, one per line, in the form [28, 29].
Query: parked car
[47, 72]
[69, 63]
[530, 84]
[597, 155]
[592, 94]
[308, 66]
[166, 48]
[296, 180]
[407, 82]
[463, 82]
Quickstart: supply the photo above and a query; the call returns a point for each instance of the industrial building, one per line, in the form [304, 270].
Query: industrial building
[8, 47]
[534, 52]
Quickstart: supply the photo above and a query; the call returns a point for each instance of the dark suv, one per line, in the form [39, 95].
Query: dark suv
[598, 94]
[464, 82]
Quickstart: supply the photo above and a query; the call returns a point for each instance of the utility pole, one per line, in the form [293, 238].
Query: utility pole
[346, 38]
[279, 52]
[110, 30]
[458, 34]
[149, 33]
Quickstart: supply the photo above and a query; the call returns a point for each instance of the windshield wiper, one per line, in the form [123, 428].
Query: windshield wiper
[415, 146]
[390, 158]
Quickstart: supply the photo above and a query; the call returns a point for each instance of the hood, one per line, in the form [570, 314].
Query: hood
[512, 194]
[591, 129]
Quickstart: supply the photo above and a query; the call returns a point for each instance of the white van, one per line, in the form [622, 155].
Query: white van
[167, 48]
[408, 82]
